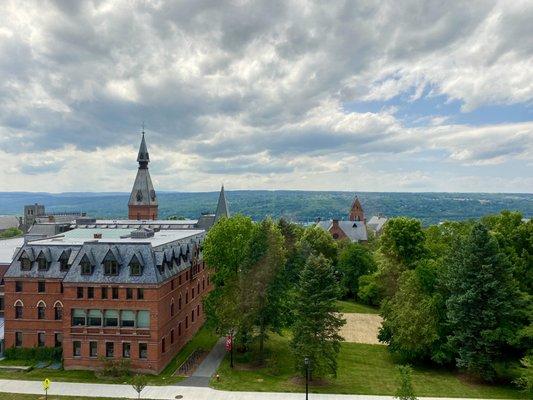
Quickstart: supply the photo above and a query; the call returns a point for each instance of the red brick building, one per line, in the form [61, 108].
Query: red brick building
[116, 293]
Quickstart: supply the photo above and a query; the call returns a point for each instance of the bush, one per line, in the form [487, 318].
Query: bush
[34, 353]
[369, 292]
[10, 232]
[115, 368]
[405, 390]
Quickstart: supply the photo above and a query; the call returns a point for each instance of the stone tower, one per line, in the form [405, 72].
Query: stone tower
[356, 212]
[143, 200]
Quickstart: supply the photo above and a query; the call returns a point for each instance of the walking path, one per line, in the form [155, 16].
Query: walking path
[208, 367]
[167, 392]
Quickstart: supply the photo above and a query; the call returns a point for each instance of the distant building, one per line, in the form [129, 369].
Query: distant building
[376, 223]
[8, 222]
[35, 214]
[354, 229]
[143, 200]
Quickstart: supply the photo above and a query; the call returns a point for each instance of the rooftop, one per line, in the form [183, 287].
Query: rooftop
[83, 235]
[8, 247]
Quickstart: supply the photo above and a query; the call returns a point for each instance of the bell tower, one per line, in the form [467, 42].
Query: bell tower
[356, 212]
[143, 200]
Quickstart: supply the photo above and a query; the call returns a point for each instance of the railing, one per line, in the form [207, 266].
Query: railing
[190, 363]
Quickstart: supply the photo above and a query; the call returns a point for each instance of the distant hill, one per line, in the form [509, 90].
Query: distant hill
[293, 205]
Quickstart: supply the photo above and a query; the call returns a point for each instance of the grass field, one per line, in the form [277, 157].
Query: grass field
[350, 306]
[205, 339]
[363, 369]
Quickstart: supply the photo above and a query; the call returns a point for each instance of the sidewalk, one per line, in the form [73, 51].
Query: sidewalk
[168, 392]
[208, 367]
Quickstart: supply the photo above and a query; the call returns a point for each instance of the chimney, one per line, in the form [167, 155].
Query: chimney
[97, 236]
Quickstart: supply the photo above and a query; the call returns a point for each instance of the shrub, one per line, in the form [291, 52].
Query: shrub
[405, 390]
[369, 292]
[139, 383]
[34, 353]
[115, 368]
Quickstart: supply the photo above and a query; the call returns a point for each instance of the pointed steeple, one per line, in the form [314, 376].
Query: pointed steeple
[356, 212]
[222, 206]
[143, 200]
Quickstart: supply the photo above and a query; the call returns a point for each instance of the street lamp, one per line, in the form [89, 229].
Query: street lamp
[307, 362]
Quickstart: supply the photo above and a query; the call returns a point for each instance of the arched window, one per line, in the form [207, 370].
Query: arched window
[179, 303]
[172, 307]
[58, 311]
[19, 306]
[41, 309]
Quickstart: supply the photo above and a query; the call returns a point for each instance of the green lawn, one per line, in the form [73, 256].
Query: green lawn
[205, 338]
[363, 369]
[350, 306]
[16, 396]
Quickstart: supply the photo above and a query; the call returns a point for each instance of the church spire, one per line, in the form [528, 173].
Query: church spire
[143, 158]
[356, 212]
[222, 206]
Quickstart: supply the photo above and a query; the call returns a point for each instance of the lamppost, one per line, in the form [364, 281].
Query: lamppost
[307, 362]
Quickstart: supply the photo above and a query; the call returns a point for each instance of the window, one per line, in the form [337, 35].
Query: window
[18, 339]
[25, 264]
[186, 275]
[58, 339]
[41, 287]
[104, 293]
[61, 288]
[90, 292]
[198, 310]
[110, 349]
[127, 318]
[135, 267]
[192, 316]
[186, 322]
[63, 261]
[114, 292]
[18, 286]
[140, 294]
[111, 318]
[143, 350]
[110, 264]
[179, 329]
[186, 297]
[163, 345]
[172, 308]
[18, 310]
[179, 280]
[179, 303]
[143, 319]
[40, 310]
[40, 339]
[78, 317]
[79, 292]
[192, 294]
[198, 288]
[171, 336]
[126, 350]
[203, 284]
[76, 348]
[172, 284]
[93, 349]
[129, 293]
[58, 312]
[86, 266]
[95, 318]
[42, 264]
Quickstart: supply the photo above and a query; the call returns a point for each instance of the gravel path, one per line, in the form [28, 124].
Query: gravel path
[361, 328]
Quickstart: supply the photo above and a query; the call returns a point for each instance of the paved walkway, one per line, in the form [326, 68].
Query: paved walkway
[167, 392]
[208, 367]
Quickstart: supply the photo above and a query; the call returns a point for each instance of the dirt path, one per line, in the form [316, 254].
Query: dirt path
[361, 328]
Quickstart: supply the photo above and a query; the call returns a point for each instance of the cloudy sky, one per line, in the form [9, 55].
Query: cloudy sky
[355, 95]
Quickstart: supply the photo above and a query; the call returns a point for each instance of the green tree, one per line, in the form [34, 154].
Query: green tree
[355, 261]
[402, 240]
[10, 232]
[405, 390]
[317, 322]
[139, 382]
[485, 310]
[369, 291]
[316, 240]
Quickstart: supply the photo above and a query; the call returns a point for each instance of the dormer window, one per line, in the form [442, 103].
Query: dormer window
[86, 266]
[139, 195]
[135, 267]
[110, 264]
[63, 261]
[42, 263]
[25, 264]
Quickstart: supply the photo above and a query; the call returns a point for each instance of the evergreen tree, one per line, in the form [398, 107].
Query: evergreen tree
[484, 309]
[405, 390]
[317, 322]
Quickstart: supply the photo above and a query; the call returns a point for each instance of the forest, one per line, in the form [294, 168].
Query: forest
[456, 295]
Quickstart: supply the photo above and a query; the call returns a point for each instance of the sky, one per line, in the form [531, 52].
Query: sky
[336, 95]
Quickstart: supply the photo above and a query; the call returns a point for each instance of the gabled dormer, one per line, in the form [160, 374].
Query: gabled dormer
[136, 268]
[63, 260]
[26, 260]
[86, 265]
[43, 260]
[110, 263]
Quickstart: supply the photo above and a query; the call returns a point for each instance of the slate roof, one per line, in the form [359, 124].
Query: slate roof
[376, 223]
[143, 192]
[52, 254]
[9, 221]
[222, 206]
[355, 230]
[8, 248]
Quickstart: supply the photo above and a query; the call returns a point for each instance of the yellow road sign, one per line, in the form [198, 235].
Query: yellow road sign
[46, 384]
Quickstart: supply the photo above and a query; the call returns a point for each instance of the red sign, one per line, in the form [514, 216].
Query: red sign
[229, 343]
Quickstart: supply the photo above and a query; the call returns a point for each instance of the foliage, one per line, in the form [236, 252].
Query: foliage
[317, 322]
[34, 353]
[405, 390]
[10, 232]
[355, 260]
[139, 382]
[115, 368]
[402, 240]
[316, 240]
[485, 310]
